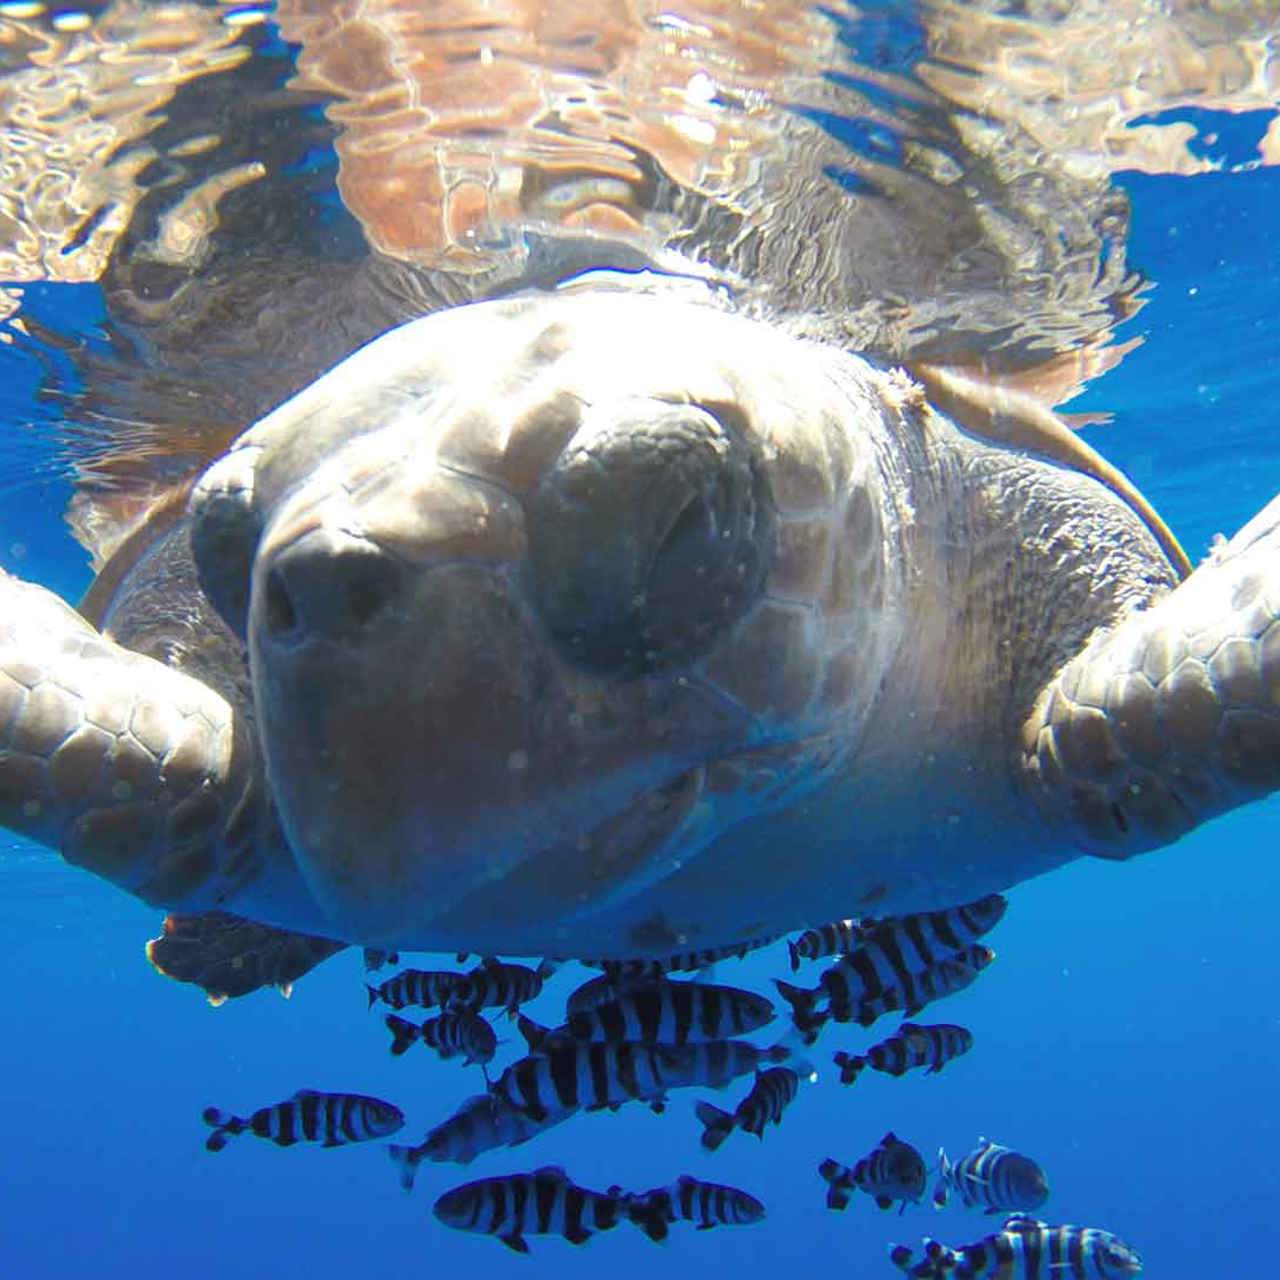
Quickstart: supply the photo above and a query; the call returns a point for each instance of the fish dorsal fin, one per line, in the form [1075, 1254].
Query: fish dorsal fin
[304, 1093]
[1022, 1222]
[1019, 421]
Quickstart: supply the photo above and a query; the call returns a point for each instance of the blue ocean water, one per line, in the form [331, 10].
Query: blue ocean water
[1125, 1037]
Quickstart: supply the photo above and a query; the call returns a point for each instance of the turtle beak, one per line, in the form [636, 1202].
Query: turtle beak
[423, 740]
[396, 694]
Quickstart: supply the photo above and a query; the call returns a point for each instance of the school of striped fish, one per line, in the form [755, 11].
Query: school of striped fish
[635, 1033]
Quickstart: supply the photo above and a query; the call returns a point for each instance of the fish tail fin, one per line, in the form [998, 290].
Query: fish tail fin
[646, 1212]
[652, 1223]
[406, 1161]
[944, 1175]
[809, 1031]
[373, 994]
[547, 968]
[837, 1189]
[793, 1045]
[794, 953]
[718, 1125]
[533, 1034]
[222, 1124]
[801, 1000]
[850, 1064]
[403, 1033]
[900, 1256]
[786, 1050]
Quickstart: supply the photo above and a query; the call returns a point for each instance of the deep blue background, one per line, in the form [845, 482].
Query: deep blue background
[1127, 1037]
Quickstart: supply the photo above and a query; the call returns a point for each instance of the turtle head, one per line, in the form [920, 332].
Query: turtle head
[510, 609]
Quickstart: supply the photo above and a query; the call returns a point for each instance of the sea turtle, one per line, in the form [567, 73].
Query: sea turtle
[617, 614]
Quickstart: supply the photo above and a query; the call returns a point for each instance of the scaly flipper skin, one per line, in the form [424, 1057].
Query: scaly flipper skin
[1173, 716]
[129, 768]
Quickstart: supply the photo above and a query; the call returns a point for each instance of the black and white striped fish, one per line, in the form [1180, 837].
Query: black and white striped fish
[888, 953]
[671, 1013]
[893, 1171]
[706, 1204]
[597, 991]
[331, 1119]
[769, 1097]
[910, 1047]
[854, 996]
[993, 1178]
[1025, 1249]
[492, 984]
[421, 988]
[375, 959]
[454, 1032]
[681, 962]
[541, 1203]
[926, 937]
[573, 1074]
[482, 1123]
[920, 989]
[835, 939]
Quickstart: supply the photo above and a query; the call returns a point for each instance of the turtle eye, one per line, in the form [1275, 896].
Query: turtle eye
[652, 533]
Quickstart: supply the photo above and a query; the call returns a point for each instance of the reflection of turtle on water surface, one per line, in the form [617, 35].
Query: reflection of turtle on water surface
[626, 611]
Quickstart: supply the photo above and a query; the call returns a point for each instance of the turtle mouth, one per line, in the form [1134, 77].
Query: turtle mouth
[598, 871]
[433, 757]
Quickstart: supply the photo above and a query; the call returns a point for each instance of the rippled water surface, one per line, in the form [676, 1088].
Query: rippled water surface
[203, 206]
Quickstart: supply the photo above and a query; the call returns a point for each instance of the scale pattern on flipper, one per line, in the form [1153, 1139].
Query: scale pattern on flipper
[1173, 716]
[128, 767]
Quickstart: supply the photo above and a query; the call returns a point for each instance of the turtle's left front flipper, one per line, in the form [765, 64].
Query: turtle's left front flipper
[1173, 716]
[228, 956]
[127, 767]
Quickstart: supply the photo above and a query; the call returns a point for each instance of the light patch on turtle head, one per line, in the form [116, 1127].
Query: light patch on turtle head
[523, 645]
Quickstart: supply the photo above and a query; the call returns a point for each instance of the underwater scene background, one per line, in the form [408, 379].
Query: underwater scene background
[1125, 1037]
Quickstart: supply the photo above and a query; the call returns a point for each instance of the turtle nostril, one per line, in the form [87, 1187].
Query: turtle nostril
[369, 583]
[282, 618]
[317, 591]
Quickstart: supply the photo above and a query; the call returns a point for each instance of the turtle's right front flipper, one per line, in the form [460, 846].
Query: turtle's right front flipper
[1173, 716]
[128, 768]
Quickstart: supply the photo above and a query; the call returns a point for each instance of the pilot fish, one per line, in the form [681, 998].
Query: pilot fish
[992, 1177]
[492, 984]
[769, 1097]
[454, 1032]
[892, 954]
[834, 939]
[667, 1013]
[331, 1119]
[682, 962]
[424, 988]
[482, 1123]
[541, 1203]
[573, 1074]
[864, 997]
[599, 990]
[911, 1046]
[707, 1204]
[893, 1171]
[920, 989]
[1025, 1249]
